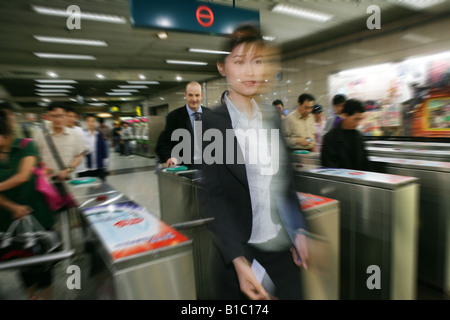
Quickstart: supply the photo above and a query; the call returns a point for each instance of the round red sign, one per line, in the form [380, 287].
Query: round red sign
[205, 16]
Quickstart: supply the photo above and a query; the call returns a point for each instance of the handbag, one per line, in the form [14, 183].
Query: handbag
[27, 238]
[53, 197]
[56, 198]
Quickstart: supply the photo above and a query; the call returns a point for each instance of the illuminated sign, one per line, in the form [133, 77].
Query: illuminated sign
[205, 16]
[190, 16]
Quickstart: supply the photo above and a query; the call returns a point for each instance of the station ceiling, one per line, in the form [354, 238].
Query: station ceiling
[132, 54]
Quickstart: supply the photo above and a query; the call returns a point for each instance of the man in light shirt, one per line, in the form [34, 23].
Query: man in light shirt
[298, 127]
[68, 144]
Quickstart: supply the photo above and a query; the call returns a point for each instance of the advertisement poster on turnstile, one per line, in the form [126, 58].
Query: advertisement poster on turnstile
[321, 281]
[127, 229]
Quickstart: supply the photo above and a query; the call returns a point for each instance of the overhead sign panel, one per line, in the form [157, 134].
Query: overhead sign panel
[189, 16]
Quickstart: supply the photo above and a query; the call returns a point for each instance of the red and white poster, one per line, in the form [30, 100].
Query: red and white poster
[127, 229]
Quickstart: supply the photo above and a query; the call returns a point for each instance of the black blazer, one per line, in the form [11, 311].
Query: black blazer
[337, 151]
[228, 195]
[177, 119]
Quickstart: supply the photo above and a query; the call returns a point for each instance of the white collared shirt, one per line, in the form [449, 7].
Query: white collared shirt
[69, 145]
[263, 228]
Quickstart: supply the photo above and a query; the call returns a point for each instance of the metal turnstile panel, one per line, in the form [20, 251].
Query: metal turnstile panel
[321, 280]
[366, 235]
[176, 196]
[434, 225]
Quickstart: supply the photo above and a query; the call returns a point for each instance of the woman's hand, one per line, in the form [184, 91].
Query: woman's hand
[302, 249]
[247, 280]
[20, 211]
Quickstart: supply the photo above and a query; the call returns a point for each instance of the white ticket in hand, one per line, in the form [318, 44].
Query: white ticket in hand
[263, 277]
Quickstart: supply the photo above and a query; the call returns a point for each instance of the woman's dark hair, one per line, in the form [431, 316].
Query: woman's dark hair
[243, 34]
[5, 123]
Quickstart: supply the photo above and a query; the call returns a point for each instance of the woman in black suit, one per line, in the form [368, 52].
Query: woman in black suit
[250, 192]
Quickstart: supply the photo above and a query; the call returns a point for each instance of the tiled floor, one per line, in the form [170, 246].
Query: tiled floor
[136, 178]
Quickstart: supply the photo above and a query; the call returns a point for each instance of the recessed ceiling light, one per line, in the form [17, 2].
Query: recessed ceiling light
[417, 4]
[98, 104]
[132, 87]
[51, 94]
[269, 38]
[52, 74]
[179, 78]
[143, 82]
[52, 90]
[319, 62]
[54, 86]
[100, 76]
[142, 77]
[118, 93]
[207, 51]
[84, 15]
[302, 12]
[194, 63]
[414, 37]
[124, 90]
[54, 81]
[162, 35]
[81, 42]
[63, 56]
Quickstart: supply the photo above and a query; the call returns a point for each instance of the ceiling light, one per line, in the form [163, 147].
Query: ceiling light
[269, 38]
[179, 78]
[413, 37]
[118, 93]
[51, 94]
[54, 86]
[55, 81]
[363, 52]
[52, 74]
[81, 42]
[98, 104]
[100, 76]
[104, 115]
[52, 90]
[84, 15]
[302, 13]
[319, 62]
[143, 82]
[132, 87]
[194, 63]
[63, 56]
[417, 4]
[207, 51]
[124, 90]
[162, 35]
[46, 100]
[142, 77]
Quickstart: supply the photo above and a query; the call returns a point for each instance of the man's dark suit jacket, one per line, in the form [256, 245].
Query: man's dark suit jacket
[177, 119]
[228, 196]
[339, 152]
